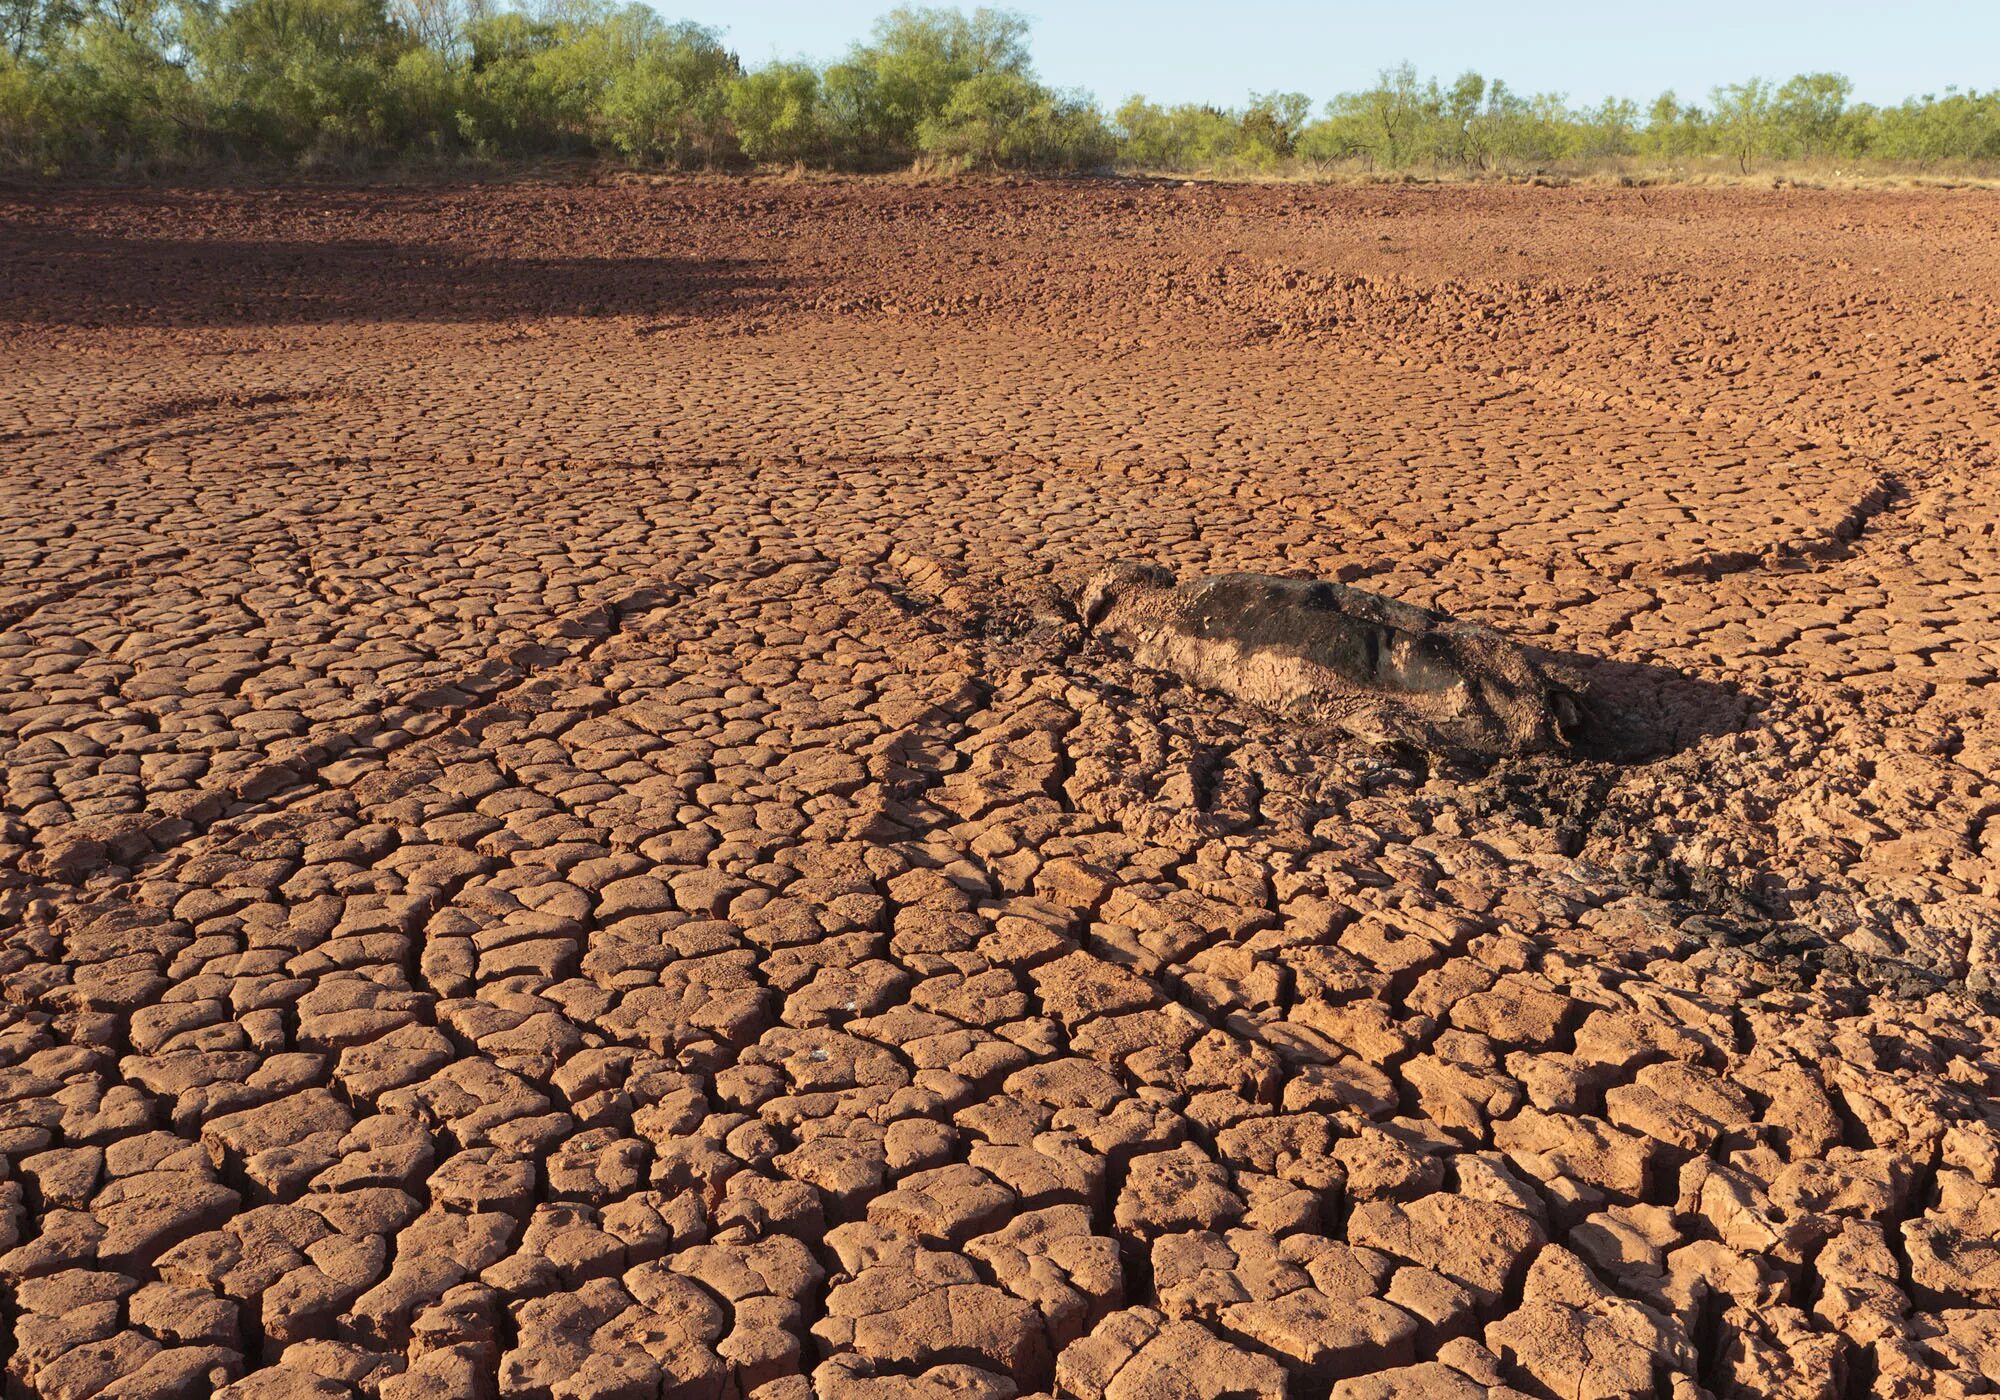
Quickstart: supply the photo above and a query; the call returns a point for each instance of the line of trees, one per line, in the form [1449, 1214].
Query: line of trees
[1477, 124]
[137, 84]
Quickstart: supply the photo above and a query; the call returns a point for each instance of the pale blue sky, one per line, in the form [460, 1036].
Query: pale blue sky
[1217, 50]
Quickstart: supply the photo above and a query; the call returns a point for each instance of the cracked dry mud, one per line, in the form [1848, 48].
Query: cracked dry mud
[558, 841]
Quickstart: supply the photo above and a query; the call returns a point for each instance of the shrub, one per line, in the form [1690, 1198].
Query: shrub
[879, 96]
[1931, 130]
[1672, 130]
[27, 116]
[107, 98]
[667, 104]
[1008, 119]
[1186, 137]
[1742, 120]
[1811, 114]
[115, 84]
[776, 113]
[1272, 123]
[300, 76]
[512, 100]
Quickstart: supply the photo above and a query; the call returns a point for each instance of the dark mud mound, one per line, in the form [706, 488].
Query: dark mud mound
[1376, 668]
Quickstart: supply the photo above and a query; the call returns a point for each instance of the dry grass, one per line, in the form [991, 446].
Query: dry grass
[1626, 173]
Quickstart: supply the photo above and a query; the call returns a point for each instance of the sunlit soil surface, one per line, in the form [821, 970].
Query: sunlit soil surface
[560, 836]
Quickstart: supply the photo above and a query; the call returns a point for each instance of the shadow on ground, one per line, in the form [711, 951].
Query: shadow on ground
[1639, 712]
[64, 277]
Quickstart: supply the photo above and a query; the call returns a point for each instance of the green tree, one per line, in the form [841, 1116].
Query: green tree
[918, 58]
[1392, 111]
[669, 103]
[1484, 124]
[1272, 123]
[1608, 129]
[300, 76]
[1465, 139]
[1185, 137]
[776, 112]
[27, 116]
[439, 25]
[1142, 130]
[1008, 119]
[37, 29]
[1811, 115]
[1334, 137]
[1673, 131]
[590, 50]
[859, 130]
[129, 83]
[512, 100]
[1930, 130]
[109, 97]
[1742, 120]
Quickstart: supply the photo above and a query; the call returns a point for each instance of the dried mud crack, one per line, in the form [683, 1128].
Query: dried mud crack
[610, 862]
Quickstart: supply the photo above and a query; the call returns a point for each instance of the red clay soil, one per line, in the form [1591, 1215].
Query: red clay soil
[559, 837]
